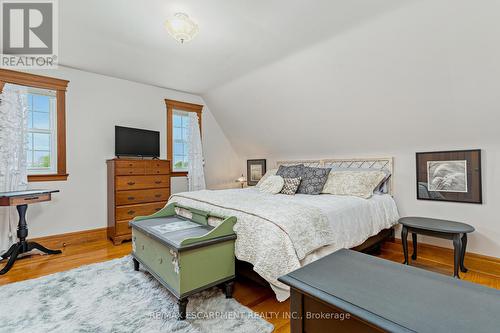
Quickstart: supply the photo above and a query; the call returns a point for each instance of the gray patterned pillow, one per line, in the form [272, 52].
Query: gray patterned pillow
[291, 185]
[292, 171]
[313, 180]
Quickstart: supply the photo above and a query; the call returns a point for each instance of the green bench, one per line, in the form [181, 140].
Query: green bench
[185, 255]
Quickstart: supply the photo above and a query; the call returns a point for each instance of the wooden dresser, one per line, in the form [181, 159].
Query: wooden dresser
[135, 188]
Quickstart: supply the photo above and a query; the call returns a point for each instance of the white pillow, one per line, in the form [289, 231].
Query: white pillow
[357, 183]
[272, 184]
[270, 172]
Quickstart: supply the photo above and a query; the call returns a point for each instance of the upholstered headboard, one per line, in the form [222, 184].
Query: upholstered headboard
[376, 163]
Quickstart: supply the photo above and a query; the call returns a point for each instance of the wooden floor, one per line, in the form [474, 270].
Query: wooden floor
[259, 299]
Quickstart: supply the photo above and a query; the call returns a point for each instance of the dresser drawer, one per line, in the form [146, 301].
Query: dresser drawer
[141, 182]
[140, 196]
[122, 228]
[130, 167]
[157, 167]
[130, 211]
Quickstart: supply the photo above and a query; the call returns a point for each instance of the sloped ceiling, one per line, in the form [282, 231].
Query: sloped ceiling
[285, 67]
[421, 76]
[127, 39]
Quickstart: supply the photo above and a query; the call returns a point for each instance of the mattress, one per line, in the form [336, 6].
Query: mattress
[280, 233]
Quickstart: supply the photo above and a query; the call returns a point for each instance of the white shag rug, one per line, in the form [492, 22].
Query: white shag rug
[112, 297]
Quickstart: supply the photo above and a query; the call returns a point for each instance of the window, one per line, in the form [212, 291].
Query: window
[180, 148]
[177, 131]
[45, 99]
[42, 131]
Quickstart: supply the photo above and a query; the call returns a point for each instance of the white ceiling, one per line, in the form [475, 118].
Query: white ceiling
[126, 38]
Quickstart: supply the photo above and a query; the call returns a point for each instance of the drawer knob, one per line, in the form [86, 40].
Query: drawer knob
[157, 181]
[131, 183]
[130, 198]
[131, 212]
[157, 195]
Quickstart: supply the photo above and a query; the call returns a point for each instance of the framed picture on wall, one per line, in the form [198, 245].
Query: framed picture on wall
[450, 176]
[255, 171]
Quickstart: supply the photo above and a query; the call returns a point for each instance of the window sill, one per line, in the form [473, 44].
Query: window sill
[178, 174]
[47, 178]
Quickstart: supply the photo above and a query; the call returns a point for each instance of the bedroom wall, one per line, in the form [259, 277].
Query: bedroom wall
[94, 105]
[419, 78]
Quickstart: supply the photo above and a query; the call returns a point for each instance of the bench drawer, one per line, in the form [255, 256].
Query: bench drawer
[130, 211]
[141, 182]
[158, 258]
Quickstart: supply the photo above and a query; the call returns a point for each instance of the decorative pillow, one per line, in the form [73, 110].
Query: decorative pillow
[272, 184]
[382, 188]
[271, 172]
[357, 183]
[313, 180]
[292, 171]
[291, 185]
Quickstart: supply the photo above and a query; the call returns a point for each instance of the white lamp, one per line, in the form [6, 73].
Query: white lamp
[181, 27]
[242, 180]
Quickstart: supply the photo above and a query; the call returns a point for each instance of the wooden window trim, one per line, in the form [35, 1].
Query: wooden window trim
[182, 106]
[60, 86]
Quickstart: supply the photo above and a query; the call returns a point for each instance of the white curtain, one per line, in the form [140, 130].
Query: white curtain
[196, 175]
[13, 142]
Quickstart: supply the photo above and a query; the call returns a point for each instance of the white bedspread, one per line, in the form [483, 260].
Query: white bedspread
[279, 233]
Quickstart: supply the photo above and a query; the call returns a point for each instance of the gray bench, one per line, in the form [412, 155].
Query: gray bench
[380, 295]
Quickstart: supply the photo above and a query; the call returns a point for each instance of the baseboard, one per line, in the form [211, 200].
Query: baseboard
[446, 249]
[72, 238]
[473, 261]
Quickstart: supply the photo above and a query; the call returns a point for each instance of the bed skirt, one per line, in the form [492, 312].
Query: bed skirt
[371, 245]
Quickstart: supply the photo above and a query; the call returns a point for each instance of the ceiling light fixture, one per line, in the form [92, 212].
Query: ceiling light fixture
[181, 27]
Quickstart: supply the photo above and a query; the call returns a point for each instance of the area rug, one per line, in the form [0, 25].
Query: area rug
[112, 297]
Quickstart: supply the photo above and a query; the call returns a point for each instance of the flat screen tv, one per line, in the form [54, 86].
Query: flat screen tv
[136, 142]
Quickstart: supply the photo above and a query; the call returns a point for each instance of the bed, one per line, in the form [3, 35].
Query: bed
[280, 233]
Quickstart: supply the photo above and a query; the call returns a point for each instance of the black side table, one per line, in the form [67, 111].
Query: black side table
[455, 231]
